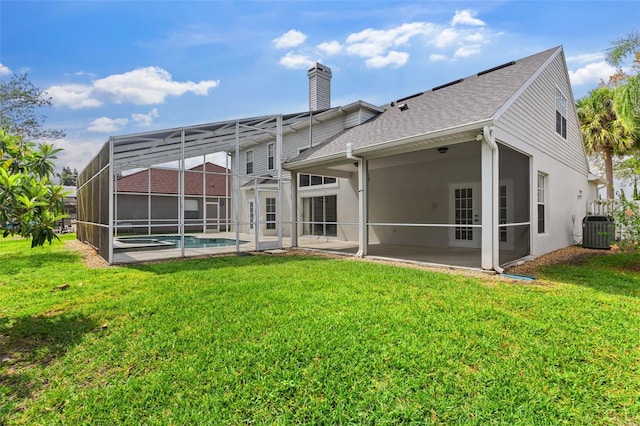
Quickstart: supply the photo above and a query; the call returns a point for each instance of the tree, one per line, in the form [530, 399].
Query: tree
[622, 48]
[30, 204]
[20, 100]
[67, 177]
[602, 130]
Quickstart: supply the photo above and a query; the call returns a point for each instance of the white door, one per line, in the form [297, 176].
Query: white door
[252, 216]
[267, 212]
[464, 212]
[213, 216]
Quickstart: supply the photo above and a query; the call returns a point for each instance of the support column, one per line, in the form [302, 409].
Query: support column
[181, 193]
[236, 193]
[294, 209]
[363, 207]
[279, 209]
[111, 173]
[486, 167]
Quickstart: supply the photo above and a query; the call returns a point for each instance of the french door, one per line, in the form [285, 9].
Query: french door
[464, 210]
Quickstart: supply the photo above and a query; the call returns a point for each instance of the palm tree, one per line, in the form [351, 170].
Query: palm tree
[622, 48]
[627, 97]
[602, 130]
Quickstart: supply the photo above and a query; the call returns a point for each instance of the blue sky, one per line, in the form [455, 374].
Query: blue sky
[123, 67]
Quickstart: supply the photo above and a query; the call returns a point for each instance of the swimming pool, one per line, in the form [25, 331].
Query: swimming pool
[174, 241]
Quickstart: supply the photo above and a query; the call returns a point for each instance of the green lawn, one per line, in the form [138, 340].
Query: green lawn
[271, 339]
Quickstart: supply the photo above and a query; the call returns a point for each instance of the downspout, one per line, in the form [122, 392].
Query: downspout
[361, 200]
[495, 223]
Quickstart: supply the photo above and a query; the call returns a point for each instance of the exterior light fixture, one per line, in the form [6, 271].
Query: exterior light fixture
[443, 150]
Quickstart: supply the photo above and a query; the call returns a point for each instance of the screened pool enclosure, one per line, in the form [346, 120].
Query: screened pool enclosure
[177, 182]
[194, 191]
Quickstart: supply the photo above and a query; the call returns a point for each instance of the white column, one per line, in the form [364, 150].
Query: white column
[278, 153]
[111, 201]
[294, 209]
[236, 208]
[363, 207]
[486, 167]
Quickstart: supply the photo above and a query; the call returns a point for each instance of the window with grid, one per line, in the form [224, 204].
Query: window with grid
[464, 213]
[561, 113]
[503, 213]
[270, 213]
[271, 156]
[542, 180]
[248, 156]
[315, 180]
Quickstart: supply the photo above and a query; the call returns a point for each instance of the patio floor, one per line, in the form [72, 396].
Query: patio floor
[449, 257]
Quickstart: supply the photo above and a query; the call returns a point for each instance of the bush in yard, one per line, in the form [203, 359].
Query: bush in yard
[31, 205]
[626, 214]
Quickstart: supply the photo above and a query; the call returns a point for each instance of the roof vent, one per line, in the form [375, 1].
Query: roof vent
[406, 98]
[403, 107]
[499, 67]
[460, 80]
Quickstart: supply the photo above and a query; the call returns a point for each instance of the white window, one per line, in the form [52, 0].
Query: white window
[503, 213]
[251, 215]
[191, 209]
[542, 211]
[319, 215]
[270, 211]
[248, 157]
[271, 156]
[315, 180]
[561, 113]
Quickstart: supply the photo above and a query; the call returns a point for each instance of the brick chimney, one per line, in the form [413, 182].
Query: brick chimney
[319, 87]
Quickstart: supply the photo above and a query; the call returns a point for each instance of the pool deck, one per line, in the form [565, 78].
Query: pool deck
[135, 253]
[449, 257]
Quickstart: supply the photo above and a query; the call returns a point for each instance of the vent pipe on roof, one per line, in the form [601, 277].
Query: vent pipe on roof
[319, 87]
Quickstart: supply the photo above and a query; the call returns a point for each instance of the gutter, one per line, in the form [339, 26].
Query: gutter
[361, 200]
[490, 139]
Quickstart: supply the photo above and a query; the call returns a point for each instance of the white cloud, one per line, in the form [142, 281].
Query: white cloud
[591, 73]
[475, 38]
[370, 43]
[465, 52]
[466, 17]
[145, 120]
[585, 58]
[142, 86]
[4, 70]
[74, 96]
[107, 125]
[150, 85]
[393, 58]
[463, 36]
[446, 38]
[437, 58]
[291, 38]
[293, 60]
[330, 48]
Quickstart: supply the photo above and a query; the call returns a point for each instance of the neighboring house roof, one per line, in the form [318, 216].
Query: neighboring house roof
[460, 104]
[165, 181]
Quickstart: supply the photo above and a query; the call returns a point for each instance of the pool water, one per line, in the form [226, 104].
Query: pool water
[190, 241]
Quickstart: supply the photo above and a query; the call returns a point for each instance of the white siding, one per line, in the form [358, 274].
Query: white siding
[529, 125]
[530, 120]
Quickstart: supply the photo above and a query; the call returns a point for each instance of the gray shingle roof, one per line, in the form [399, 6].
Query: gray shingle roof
[469, 100]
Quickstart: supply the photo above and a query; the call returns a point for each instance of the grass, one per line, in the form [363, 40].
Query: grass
[289, 340]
